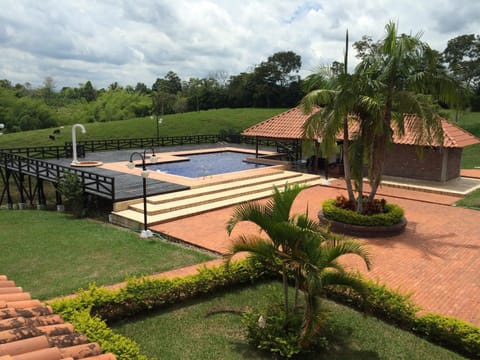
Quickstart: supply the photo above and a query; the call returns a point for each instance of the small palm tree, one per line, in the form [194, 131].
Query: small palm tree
[272, 219]
[302, 248]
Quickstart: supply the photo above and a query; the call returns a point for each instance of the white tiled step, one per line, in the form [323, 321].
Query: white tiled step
[223, 194]
[131, 216]
[178, 195]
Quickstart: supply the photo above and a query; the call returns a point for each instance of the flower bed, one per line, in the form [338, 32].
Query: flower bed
[388, 223]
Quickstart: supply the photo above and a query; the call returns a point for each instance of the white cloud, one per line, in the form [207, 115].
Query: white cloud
[137, 41]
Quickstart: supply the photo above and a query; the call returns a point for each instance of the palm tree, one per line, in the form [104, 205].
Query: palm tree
[303, 249]
[408, 82]
[333, 92]
[396, 76]
[344, 98]
[272, 218]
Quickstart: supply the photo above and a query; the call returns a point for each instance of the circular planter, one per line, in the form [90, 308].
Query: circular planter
[363, 231]
[86, 163]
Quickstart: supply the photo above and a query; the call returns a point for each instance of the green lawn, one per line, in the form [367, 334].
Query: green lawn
[51, 254]
[184, 332]
[193, 123]
[472, 200]
[469, 121]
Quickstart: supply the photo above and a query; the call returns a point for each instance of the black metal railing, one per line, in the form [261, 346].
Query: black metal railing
[41, 152]
[65, 151]
[96, 184]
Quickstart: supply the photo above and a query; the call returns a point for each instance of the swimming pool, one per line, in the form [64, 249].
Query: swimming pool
[207, 164]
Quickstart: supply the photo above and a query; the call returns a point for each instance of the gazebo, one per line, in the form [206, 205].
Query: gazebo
[435, 162]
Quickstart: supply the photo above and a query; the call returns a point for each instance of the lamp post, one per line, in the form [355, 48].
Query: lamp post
[145, 232]
[159, 122]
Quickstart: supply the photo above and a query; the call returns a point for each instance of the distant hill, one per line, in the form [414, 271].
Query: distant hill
[192, 123]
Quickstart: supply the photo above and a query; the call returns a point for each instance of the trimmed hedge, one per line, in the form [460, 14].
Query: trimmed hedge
[394, 215]
[391, 306]
[451, 333]
[146, 293]
[89, 310]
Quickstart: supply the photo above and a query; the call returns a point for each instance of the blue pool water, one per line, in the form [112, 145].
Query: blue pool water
[201, 165]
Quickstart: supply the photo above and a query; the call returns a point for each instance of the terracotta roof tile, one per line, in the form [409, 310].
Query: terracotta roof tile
[30, 330]
[288, 125]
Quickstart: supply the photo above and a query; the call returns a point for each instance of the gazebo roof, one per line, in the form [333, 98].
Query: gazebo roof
[288, 125]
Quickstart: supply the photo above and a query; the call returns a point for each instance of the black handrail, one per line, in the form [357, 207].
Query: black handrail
[93, 183]
[65, 151]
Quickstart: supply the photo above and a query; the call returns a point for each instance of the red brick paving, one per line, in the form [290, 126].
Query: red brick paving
[473, 173]
[436, 259]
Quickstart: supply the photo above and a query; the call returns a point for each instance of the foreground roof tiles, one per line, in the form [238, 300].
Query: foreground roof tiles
[31, 331]
[288, 125]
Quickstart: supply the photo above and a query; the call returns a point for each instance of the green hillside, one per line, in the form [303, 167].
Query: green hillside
[192, 123]
[195, 123]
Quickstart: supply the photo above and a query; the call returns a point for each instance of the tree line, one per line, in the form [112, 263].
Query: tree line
[274, 82]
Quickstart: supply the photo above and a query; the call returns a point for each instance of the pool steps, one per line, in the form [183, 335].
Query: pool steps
[171, 206]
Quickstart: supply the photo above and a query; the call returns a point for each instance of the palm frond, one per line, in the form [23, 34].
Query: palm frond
[346, 247]
[250, 211]
[347, 279]
[254, 244]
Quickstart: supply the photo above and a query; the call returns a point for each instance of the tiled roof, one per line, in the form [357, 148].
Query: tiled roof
[288, 125]
[30, 330]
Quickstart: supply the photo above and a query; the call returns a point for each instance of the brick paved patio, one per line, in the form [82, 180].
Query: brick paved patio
[436, 258]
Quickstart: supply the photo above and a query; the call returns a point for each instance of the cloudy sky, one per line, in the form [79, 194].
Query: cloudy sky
[132, 41]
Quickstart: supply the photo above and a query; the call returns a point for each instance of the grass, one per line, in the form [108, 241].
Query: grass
[469, 121]
[192, 123]
[51, 254]
[472, 200]
[184, 332]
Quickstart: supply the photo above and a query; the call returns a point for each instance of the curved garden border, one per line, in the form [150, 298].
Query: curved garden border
[363, 231]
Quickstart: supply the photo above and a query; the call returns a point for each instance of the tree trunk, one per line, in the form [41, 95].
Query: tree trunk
[308, 322]
[379, 150]
[285, 289]
[346, 161]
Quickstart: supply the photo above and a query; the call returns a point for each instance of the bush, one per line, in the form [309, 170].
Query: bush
[450, 333]
[71, 187]
[90, 306]
[393, 215]
[270, 330]
[97, 330]
[143, 294]
[383, 303]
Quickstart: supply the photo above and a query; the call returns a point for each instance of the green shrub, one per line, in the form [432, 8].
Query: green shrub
[454, 334]
[71, 187]
[97, 330]
[393, 215]
[89, 307]
[388, 305]
[143, 294]
[270, 330]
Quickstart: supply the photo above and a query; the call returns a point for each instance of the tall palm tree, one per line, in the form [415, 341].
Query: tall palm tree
[404, 68]
[396, 76]
[332, 91]
[303, 248]
[344, 98]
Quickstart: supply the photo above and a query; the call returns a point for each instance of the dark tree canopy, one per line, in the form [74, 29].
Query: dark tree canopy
[170, 84]
[462, 55]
